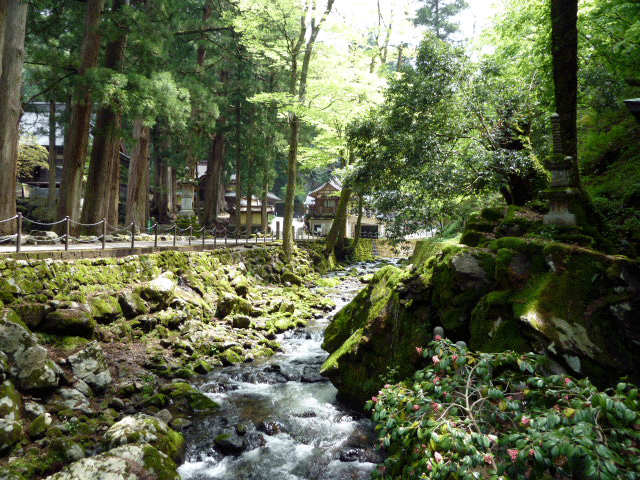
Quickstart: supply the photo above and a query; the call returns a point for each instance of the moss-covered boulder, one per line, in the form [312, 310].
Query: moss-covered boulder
[10, 401]
[128, 462]
[374, 338]
[576, 305]
[90, 366]
[10, 433]
[145, 429]
[30, 366]
[69, 321]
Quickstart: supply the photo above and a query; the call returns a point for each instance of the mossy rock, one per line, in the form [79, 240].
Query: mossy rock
[68, 321]
[104, 308]
[229, 357]
[197, 401]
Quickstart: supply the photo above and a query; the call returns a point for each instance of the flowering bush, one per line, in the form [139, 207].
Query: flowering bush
[477, 415]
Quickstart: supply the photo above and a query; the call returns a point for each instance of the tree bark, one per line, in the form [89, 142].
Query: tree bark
[294, 120]
[264, 215]
[337, 231]
[564, 44]
[13, 31]
[249, 216]
[213, 180]
[103, 180]
[138, 184]
[237, 216]
[358, 229]
[77, 138]
[51, 199]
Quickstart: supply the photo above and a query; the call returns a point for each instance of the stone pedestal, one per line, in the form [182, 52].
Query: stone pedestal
[560, 194]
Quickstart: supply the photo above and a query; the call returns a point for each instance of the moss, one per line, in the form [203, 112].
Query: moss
[347, 347]
[229, 357]
[492, 214]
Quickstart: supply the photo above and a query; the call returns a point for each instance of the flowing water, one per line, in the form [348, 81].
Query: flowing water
[279, 419]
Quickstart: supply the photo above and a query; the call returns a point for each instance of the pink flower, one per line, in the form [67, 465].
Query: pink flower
[513, 453]
[374, 399]
[436, 379]
[567, 381]
[455, 357]
[435, 406]
[416, 407]
[429, 467]
[524, 420]
[435, 359]
[438, 337]
[488, 459]
[386, 385]
[419, 350]
[532, 452]
[437, 456]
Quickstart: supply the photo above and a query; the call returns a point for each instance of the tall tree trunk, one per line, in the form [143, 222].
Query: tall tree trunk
[15, 18]
[289, 199]
[564, 44]
[294, 120]
[51, 199]
[358, 228]
[337, 231]
[77, 138]
[249, 218]
[264, 215]
[238, 173]
[103, 180]
[138, 184]
[213, 180]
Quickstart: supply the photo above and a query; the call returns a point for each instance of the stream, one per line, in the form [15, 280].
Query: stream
[279, 419]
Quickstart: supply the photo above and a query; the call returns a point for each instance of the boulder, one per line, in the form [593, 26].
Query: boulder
[145, 429]
[10, 433]
[159, 292]
[69, 321]
[104, 308]
[10, 401]
[128, 462]
[38, 428]
[30, 366]
[70, 398]
[132, 304]
[32, 314]
[90, 365]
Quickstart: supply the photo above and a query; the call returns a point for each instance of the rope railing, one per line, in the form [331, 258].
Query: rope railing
[100, 232]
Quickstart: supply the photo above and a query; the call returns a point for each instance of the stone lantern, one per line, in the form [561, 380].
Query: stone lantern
[633, 104]
[560, 194]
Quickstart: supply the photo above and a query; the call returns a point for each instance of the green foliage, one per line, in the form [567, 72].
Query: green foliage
[502, 415]
[437, 16]
[31, 156]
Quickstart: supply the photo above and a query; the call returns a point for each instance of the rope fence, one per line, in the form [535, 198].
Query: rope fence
[71, 233]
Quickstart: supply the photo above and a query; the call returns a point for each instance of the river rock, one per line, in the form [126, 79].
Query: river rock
[32, 314]
[4, 366]
[105, 308]
[160, 291]
[145, 429]
[69, 321]
[33, 410]
[70, 398]
[128, 462]
[90, 365]
[31, 367]
[132, 304]
[39, 426]
[230, 443]
[10, 401]
[10, 433]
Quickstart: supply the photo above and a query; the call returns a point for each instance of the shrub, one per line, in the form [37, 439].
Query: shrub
[501, 415]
